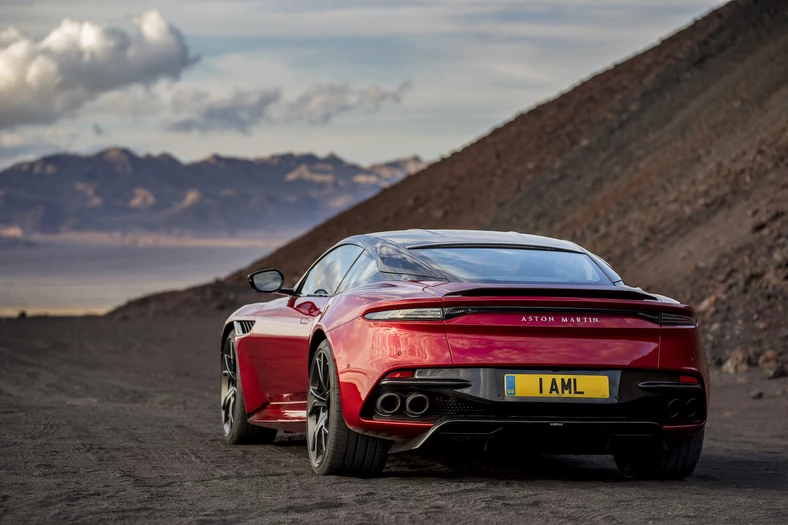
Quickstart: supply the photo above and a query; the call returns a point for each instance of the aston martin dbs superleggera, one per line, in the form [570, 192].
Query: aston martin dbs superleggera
[410, 339]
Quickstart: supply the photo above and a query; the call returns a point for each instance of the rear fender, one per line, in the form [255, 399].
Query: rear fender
[680, 349]
[364, 351]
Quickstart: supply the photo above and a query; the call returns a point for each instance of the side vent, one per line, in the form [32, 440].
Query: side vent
[243, 327]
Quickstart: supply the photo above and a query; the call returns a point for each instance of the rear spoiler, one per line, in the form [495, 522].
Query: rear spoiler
[632, 294]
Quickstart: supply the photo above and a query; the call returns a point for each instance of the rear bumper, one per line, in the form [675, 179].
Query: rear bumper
[550, 436]
[472, 403]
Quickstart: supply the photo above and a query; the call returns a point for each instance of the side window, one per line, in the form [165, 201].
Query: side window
[605, 266]
[365, 270]
[325, 276]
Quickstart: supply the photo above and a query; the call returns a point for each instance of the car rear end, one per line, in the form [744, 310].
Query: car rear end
[549, 367]
[568, 370]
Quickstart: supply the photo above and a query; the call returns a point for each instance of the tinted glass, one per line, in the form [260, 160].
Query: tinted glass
[607, 269]
[325, 276]
[515, 265]
[364, 271]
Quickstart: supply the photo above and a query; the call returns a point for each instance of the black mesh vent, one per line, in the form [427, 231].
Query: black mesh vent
[244, 326]
[452, 406]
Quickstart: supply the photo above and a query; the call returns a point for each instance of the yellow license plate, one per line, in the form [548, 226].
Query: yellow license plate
[556, 385]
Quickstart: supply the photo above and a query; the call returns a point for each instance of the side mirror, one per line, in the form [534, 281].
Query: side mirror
[268, 281]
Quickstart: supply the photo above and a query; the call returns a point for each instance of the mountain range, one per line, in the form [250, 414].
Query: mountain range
[117, 191]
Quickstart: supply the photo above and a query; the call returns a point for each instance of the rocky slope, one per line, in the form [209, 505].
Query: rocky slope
[673, 165]
[118, 191]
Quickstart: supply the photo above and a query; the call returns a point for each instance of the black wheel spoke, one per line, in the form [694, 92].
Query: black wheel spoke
[229, 397]
[326, 375]
[320, 376]
[318, 398]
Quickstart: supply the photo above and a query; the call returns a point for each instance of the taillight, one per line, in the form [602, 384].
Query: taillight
[689, 380]
[677, 320]
[408, 314]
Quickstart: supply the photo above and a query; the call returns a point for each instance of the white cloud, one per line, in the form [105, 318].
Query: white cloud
[238, 112]
[245, 109]
[42, 81]
[135, 103]
[322, 102]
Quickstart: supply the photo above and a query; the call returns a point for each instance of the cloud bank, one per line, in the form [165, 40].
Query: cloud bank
[239, 112]
[245, 109]
[42, 81]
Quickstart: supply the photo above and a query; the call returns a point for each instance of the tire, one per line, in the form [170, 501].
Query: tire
[676, 463]
[235, 425]
[333, 448]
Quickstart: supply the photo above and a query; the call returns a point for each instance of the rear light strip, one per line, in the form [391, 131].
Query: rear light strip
[437, 314]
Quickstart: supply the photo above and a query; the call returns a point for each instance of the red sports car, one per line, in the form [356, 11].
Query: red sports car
[408, 339]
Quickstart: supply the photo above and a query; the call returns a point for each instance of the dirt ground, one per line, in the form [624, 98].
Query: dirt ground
[106, 420]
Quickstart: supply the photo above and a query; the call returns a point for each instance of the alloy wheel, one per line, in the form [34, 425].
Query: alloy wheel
[318, 406]
[229, 386]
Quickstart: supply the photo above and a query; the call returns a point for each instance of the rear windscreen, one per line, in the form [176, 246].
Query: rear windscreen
[515, 265]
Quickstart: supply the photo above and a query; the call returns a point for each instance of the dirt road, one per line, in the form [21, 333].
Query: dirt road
[104, 420]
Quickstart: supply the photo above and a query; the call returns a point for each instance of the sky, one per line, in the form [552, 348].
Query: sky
[368, 80]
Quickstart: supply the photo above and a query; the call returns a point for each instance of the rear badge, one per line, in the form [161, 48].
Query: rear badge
[561, 319]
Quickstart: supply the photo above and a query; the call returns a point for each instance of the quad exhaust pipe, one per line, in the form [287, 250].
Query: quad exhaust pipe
[676, 407]
[390, 403]
[387, 404]
[416, 405]
[693, 406]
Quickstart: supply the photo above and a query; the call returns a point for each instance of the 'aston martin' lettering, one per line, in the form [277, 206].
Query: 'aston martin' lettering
[562, 319]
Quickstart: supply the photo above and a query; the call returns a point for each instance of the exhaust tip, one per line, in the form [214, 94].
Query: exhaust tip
[416, 404]
[387, 404]
[692, 407]
[674, 408]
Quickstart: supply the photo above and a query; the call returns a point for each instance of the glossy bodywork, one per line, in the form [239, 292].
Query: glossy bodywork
[529, 328]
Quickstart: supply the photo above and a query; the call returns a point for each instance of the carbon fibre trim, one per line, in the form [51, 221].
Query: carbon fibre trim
[494, 427]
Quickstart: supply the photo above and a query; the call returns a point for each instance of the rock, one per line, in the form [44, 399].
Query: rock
[769, 358]
[737, 362]
[707, 303]
[753, 356]
[773, 372]
[756, 394]
[782, 391]
[758, 226]
[716, 361]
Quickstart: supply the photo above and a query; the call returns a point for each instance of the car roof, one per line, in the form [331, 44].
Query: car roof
[425, 238]
[396, 250]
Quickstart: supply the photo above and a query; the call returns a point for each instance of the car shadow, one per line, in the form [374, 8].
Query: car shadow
[739, 470]
[762, 472]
